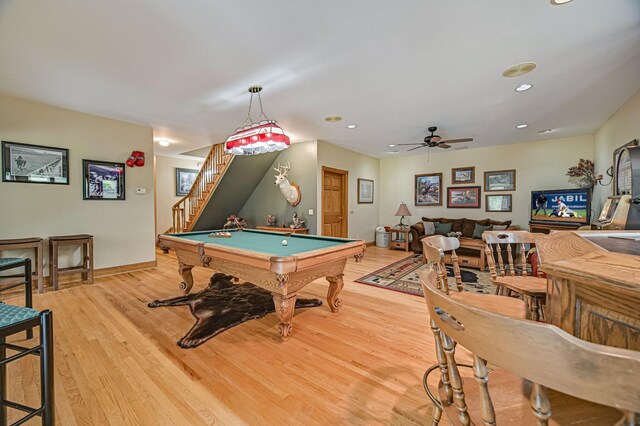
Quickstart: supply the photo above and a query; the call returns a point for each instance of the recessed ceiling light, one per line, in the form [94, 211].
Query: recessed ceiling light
[333, 118]
[524, 87]
[559, 2]
[521, 126]
[351, 126]
[163, 142]
[392, 145]
[544, 132]
[519, 69]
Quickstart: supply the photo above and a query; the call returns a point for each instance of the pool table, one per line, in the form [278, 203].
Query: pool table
[259, 257]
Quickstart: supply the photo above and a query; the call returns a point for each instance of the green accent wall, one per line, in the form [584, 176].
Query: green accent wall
[267, 198]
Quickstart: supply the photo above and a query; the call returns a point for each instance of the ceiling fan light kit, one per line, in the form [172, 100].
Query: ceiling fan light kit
[519, 69]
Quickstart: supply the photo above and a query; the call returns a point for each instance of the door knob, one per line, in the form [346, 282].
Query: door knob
[340, 218]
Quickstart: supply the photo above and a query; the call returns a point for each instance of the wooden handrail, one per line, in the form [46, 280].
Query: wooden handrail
[186, 211]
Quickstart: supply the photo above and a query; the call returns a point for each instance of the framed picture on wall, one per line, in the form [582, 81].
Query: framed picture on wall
[463, 175]
[103, 180]
[184, 180]
[500, 180]
[428, 190]
[497, 203]
[463, 197]
[365, 191]
[26, 163]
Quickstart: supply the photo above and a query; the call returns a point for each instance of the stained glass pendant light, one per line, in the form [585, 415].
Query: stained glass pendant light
[257, 138]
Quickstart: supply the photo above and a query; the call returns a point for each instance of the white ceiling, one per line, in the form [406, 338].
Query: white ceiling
[392, 67]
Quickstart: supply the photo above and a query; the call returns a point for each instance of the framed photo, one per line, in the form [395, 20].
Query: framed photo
[463, 175]
[500, 180]
[102, 180]
[463, 197]
[365, 191]
[428, 189]
[184, 180]
[497, 203]
[34, 163]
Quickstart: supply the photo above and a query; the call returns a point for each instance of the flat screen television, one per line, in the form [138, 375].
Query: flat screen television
[570, 206]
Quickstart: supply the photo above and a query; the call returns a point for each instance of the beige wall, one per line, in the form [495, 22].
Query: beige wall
[539, 165]
[622, 127]
[166, 187]
[363, 218]
[123, 230]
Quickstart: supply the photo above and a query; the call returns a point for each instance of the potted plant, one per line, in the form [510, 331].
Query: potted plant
[583, 175]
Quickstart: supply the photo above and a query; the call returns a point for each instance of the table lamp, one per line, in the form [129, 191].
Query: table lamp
[402, 211]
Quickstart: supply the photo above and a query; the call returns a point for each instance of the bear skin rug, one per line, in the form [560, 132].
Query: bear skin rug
[223, 305]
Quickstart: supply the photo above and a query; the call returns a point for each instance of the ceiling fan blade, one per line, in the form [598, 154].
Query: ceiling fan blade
[458, 140]
[435, 138]
[416, 148]
[409, 144]
[443, 145]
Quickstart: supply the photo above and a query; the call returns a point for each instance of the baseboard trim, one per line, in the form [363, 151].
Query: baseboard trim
[104, 272]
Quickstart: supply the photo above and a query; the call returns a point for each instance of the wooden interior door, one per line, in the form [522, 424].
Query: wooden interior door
[334, 202]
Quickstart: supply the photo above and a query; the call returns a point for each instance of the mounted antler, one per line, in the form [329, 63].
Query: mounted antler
[291, 191]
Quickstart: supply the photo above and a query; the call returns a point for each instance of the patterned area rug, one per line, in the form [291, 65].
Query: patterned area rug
[403, 276]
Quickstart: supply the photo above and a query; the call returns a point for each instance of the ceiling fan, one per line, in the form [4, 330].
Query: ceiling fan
[433, 140]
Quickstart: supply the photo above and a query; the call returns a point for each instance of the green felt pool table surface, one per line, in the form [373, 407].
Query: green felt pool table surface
[266, 242]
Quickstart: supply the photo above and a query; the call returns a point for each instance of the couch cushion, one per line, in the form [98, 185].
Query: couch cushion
[456, 225]
[429, 228]
[437, 219]
[479, 229]
[497, 222]
[468, 225]
[442, 228]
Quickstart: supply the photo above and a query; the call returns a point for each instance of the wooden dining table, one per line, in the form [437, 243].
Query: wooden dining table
[593, 284]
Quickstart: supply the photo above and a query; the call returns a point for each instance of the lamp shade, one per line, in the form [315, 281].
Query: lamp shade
[259, 138]
[403, 210]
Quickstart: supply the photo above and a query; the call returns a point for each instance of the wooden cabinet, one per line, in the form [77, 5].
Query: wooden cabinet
[545, 228]
[592, 293]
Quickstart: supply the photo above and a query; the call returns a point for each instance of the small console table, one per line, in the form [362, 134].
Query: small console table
[401, 240]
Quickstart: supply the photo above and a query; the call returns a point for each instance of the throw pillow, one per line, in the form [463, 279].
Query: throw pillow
[499, 227]
[479, 229]
[442, 228]
[429, 228]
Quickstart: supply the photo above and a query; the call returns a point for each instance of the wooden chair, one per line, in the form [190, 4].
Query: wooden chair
[552, 366]
[495, 303]
[445, 244]
[512, 276]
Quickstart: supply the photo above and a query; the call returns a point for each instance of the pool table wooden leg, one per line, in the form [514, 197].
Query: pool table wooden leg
[285, 306]
[185, 272]
[335, 287]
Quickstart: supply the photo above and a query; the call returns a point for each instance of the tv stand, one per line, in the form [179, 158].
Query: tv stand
[546, 228]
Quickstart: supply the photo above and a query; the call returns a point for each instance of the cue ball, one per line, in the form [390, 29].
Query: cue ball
[284, 242]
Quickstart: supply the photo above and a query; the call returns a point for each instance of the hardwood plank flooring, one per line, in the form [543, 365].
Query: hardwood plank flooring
[117, 362]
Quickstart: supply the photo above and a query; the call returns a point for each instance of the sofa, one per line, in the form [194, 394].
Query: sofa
[431, 226]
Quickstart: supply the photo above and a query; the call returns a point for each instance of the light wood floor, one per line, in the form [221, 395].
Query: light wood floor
[117, 362]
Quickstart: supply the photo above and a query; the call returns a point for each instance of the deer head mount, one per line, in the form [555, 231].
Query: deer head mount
[290, 191]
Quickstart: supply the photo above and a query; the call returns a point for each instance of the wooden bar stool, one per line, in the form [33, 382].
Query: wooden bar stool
[27, 243]
[86, 268]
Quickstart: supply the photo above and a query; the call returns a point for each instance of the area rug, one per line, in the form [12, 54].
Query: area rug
[223, 305]
[403, 276]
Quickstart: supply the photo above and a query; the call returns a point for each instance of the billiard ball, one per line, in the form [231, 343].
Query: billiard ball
[284, 242]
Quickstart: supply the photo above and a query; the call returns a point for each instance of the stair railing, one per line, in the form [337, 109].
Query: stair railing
[186, 211]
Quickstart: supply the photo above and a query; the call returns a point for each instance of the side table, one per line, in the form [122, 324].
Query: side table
[401, 240]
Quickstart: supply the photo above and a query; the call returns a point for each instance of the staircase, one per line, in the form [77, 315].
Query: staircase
[187, 211]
